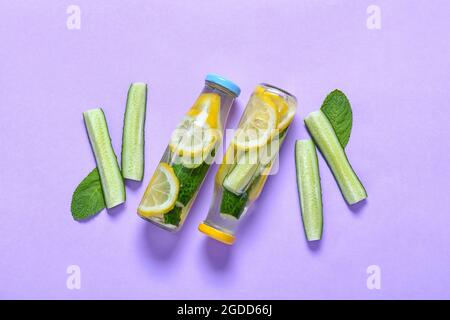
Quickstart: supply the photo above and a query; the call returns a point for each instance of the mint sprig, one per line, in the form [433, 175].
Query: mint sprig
[337, 109]
[87, 200]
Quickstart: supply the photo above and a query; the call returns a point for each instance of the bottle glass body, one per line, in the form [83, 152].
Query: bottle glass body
[186, 160]
[249, 159]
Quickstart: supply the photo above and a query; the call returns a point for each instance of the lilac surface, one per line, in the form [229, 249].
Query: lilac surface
[396, 78]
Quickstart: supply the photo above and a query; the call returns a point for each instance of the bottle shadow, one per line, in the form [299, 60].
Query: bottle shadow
[161, 244]
[217, 254]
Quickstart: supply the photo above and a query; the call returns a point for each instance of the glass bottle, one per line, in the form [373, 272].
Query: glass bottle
[186, 160]
[249, 159]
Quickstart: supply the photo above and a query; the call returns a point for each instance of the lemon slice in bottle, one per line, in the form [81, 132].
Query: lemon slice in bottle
[286, 118]
[161, 193]
[285, 112]
[192, 140]
[206, 109]
[258, 127]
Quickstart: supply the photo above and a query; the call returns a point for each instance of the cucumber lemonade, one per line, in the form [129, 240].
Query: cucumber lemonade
[192, 148]
[249, 159]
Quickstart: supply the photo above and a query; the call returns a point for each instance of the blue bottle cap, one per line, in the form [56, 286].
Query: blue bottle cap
[231, 86]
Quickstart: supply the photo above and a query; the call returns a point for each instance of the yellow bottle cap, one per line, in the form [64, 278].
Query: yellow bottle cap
[216, 234]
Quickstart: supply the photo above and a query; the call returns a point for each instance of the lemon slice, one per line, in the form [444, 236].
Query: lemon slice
[206, 109]
[286, 119]
[192, 140]
[257, 128]
[161, 193]
[285, 112]
[191, 162]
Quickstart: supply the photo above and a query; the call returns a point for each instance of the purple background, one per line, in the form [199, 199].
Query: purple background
[397, 79]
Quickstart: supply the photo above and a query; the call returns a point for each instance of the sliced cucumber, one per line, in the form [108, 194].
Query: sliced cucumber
[110, 175]
[133, 133]
[241, 175]
[309, 190]
[325, 138]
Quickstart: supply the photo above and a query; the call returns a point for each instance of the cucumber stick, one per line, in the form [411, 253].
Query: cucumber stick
[110, 175]
[133, 133]
[325, 138]
[309, 190]
[240, 177]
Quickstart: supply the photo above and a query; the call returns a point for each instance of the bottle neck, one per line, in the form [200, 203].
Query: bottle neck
[226, 99]
[279, 91]
[215, 86]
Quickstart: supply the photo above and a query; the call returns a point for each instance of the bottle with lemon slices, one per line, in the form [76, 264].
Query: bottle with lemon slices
[192, 148]
[248, 160]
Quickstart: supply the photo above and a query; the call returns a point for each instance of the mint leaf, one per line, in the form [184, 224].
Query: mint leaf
[337, 109]
[88, 199]
[233, 204]
[190, 180]
[173, 216]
